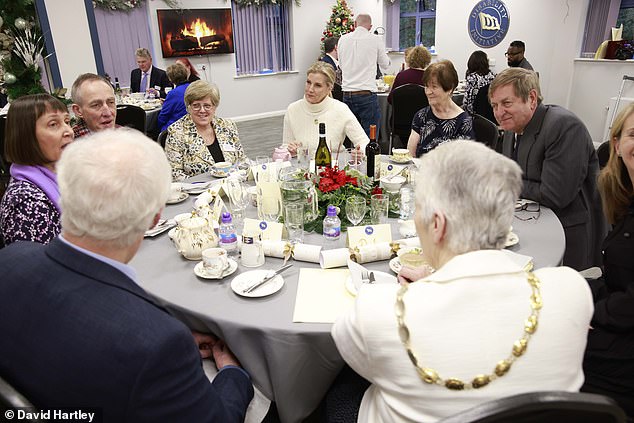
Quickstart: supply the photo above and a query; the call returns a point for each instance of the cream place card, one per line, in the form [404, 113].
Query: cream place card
[388, 169]
[271, 231]
[369, 234]
[321, 295]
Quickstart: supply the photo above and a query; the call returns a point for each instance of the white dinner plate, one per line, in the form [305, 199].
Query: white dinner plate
[381, 277]
[182, 197]
[247, 279]
[511, 239]
[200, 271]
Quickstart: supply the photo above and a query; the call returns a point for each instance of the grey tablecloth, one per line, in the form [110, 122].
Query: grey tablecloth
[293, 364]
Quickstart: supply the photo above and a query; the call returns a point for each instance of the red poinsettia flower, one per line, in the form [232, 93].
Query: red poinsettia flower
[377, 190]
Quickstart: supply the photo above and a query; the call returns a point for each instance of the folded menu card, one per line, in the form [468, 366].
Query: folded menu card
[321, 295]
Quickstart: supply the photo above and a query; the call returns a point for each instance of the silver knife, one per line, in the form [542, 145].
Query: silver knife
[266, 279]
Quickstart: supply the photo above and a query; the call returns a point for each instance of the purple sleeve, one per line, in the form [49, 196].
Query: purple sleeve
[26, 214]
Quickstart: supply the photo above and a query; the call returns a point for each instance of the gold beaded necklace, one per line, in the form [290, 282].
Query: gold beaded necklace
[429, 375]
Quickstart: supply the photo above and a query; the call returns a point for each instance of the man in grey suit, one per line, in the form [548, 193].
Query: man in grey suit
[559, 162]
[515, 56]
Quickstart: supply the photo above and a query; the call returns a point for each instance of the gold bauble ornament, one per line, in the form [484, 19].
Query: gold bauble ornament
[10, 78]
[20, 23]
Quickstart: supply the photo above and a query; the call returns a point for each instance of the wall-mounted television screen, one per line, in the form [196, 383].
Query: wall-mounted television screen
[193, 32]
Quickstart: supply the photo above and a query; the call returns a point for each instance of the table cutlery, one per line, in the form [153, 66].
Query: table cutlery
[266, 279]
[371, 277]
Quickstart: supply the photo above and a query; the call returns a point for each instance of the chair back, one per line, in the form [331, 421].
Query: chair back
[337, 92]
[406, 101]
[486, 131]
[131, 116]
[162, 137]
[10, 398]
[603, 153]
[481, 104]
[543, 407]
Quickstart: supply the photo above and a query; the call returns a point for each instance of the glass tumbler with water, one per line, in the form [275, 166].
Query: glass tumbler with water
[407, 205]
[294, 222]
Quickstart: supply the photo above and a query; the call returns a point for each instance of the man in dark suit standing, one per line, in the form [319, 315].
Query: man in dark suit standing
[558, 160]
[78, 330]
[147, 77]
[331, 57]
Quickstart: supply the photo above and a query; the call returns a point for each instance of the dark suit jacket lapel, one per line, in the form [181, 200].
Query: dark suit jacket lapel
[529, 137]
[94, 269]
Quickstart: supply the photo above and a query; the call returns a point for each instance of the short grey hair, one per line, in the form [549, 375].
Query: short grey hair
[199, 90]
[111, 185]
[475, 188]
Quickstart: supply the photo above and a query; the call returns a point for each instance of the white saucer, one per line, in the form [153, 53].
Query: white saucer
[182, 197]
[218, 173]
[171, 233]
[395, 265]
[245, 280]
[200, 271]
[511, 239]
[381, 277]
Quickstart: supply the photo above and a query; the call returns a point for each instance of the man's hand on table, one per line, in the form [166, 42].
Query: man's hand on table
[211, 347]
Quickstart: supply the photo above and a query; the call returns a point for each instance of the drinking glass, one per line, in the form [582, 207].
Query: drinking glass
[268, 207]
[303, 157]
[355, 209]
[262, 160]
[355, 159]
[378, 208]
[294, 221]
[407, 205]
[238, 196]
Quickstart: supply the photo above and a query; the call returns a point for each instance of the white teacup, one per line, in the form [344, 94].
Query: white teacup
[215, 261]
[175, 191]
[222, 167]
[400, 153]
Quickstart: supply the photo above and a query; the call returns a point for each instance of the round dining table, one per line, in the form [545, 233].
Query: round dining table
[292, 364]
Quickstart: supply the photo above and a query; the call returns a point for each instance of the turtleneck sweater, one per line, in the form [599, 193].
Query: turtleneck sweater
[302, 119]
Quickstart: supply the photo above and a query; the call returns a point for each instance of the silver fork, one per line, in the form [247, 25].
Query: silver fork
[364, 276]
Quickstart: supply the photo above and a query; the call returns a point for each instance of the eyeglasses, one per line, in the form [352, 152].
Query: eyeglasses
[528, 207]
[197, 107]
[508, 53]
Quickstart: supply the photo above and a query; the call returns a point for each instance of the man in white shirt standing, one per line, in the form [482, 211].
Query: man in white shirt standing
[359, 53]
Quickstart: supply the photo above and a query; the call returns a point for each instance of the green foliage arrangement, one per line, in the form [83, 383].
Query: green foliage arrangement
[125, 5]
[243, 3]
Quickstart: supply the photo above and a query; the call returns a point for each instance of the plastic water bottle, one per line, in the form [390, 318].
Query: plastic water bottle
[332, 224]
[228, 237]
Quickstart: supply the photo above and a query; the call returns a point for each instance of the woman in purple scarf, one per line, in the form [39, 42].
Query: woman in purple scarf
[37, 130]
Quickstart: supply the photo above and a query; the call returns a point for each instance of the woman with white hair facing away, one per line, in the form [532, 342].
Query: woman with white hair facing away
[483, 325]
[302, 118]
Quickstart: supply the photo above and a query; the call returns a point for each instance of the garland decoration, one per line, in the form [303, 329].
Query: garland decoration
[126, 5]
[257, 3]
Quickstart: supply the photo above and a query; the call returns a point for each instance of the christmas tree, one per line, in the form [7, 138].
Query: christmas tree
[340, 22]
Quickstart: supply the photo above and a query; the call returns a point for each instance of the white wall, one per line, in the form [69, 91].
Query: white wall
[73, 45]
[261, 95]
[551, 29]
[594, 82]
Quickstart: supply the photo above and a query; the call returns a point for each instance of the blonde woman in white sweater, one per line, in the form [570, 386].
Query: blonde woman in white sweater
[302, 119]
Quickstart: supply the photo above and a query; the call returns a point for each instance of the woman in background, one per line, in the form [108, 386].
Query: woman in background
[174, 104]
[478, 75]
[443, 120]
[416, 60]
[609, 361]
[192, 73]
[301, 122]
[37, 131]
[200, 138]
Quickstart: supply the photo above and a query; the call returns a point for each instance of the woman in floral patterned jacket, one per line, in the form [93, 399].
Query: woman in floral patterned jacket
[37, 131]
[199, 139]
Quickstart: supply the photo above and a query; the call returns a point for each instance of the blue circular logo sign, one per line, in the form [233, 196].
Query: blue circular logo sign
[390, 167]
[369, 230]
[488, 23]
[263, 225]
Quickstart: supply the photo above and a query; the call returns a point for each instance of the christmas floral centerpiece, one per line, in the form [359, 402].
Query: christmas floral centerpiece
[334, 186]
